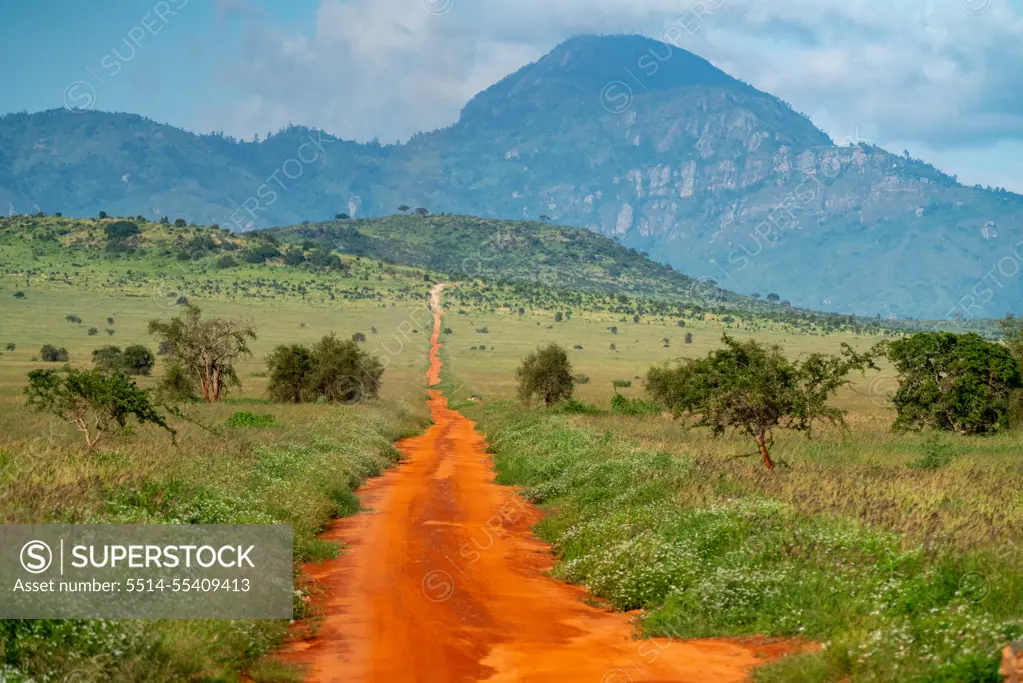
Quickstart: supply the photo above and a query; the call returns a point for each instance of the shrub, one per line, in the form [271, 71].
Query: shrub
[247, 419]
[51, 354]
[289, 368]
[294, 257]
[94, 401]
[93, 331]
[547, 374]
[226, 261]
[73, 319]
[262, 253]
[333, 371]
[11, 346]
[621, 383]
[689, 337]
[180, 223]
[575, 407]
[119, 231]
[358, 337]
[19, 294]
[634, 407]
[108, 358]
[952, 382]
[138, 360]
[580, 378]
[177, 386]
[577, 347]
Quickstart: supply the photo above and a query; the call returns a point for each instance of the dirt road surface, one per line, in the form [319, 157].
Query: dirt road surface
[444, 583]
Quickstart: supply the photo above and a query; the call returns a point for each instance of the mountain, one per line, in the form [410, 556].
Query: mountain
[629, 137]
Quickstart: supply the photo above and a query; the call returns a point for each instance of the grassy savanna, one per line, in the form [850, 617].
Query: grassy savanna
[900, 553]
[243, 460]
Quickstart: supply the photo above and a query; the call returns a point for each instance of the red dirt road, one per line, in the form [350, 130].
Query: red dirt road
[444, 583]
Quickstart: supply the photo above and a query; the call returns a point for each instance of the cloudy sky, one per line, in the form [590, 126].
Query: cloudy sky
[940, 78]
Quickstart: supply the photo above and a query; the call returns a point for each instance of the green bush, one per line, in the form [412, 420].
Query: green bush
[247, 419]
[51, 354]
[634, 407]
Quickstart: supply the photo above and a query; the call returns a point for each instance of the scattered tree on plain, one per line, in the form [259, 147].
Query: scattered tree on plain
[96, 402]
[752, 388]
[206, 348]
[51, 354]
[953, 382]
[546, 374]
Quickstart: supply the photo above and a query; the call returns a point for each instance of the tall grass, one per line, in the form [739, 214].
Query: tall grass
[301, 473]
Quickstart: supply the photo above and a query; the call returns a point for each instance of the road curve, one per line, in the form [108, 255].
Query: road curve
[443, 582]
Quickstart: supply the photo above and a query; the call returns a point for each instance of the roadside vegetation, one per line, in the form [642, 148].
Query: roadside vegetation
[892, 544]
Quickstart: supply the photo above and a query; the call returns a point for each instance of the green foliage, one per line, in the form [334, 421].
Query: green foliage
[752, 388]
[294, 257]
[644, 529]
[138, 360]
[119, 231]
[633, 407]
[952, 382]
[289, 368]
[51, 354]
[19, 294]
[262, 253]
[226, 261]
[108, 358]
[937, 455]
[333, 370]
[206, 348]
[580, 378]
[11, 346]
[1011, 328]
[546, 374]
[94, 401]
[621, 383]
[177, 386]
[248, 419]
[575, 407]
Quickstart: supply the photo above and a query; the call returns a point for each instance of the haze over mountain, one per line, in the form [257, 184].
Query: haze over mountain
[627, 136]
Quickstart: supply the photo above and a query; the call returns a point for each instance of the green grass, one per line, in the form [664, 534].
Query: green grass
[705, 551]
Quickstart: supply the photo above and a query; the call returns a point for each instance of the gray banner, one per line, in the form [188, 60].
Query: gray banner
[146, 571]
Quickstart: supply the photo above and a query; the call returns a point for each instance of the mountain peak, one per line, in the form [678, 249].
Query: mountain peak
[576, 72]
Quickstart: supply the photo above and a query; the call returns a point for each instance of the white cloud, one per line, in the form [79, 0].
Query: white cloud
[924, 72]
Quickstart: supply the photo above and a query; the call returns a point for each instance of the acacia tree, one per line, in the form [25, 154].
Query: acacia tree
[93, 400]
[205, 348]
[953, 382]
[752, 388]
[547, 374]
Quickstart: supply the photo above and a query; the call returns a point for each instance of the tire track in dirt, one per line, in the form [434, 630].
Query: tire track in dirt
[443, 582]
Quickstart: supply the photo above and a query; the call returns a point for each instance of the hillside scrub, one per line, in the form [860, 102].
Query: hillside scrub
[705, 555]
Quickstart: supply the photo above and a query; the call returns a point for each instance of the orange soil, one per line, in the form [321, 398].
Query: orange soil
[444, 582]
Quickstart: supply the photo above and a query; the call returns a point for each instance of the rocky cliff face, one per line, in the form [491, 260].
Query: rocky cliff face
[629, 137]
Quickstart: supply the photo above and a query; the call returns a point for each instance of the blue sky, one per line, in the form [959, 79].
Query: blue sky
[941, 78]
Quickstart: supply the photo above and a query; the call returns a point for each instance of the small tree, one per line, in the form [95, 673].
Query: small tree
[546, 374]
[422, 211]
[752, 388]
[559, 316]
[94, 401]
[138, 360]
[689, 337]
[290, 368]
[177, 386]
[953, 382]
[206, 348]
[51, 354]
[403, 208]
[108, 358]
[358, 337]
[11, 346]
